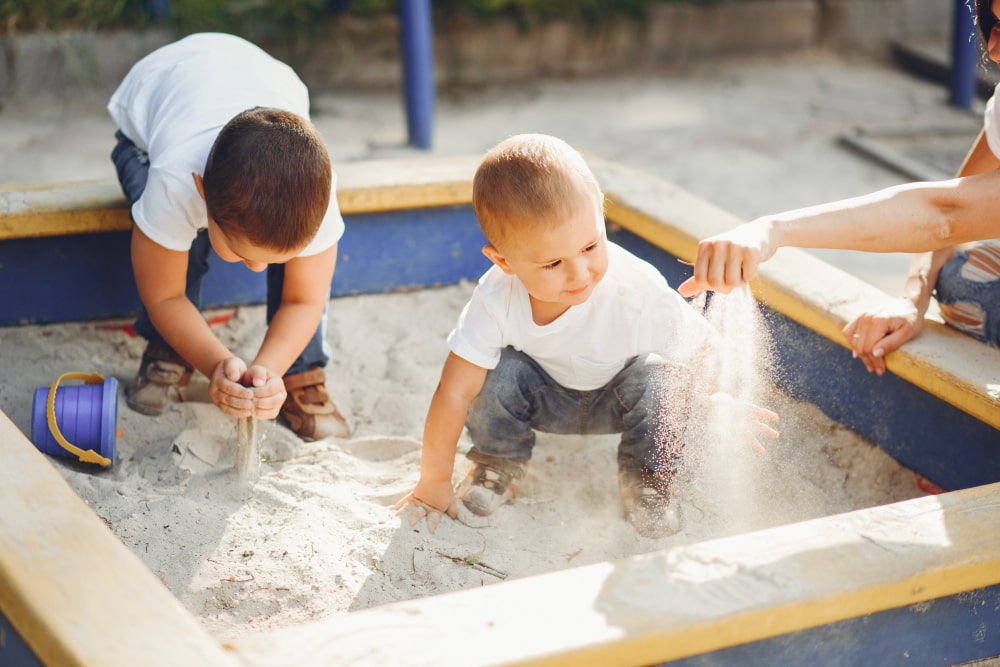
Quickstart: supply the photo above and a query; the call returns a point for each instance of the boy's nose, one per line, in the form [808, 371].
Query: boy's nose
[578, 272]
[256, 267]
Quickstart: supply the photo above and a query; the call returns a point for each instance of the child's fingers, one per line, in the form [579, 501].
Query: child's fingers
[764, 429]
[767, 415]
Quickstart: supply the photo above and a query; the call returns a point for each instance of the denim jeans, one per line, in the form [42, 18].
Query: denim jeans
[968, 291]
[132, 165]
[648, 402]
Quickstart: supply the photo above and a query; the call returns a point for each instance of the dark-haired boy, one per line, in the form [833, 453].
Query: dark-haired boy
[216, 151]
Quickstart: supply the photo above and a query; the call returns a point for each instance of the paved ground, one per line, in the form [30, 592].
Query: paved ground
[751, 137]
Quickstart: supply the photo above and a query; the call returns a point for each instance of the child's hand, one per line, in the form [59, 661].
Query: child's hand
[268, 391]
[226, 390]
[432, 501]
[754, 415]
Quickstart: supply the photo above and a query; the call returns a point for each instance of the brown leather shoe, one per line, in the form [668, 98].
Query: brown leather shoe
[308, 409]
[162, 380]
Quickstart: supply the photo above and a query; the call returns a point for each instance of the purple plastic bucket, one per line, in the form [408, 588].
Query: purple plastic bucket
[87, 416]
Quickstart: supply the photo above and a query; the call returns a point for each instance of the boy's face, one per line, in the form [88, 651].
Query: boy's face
[233, 249]
[561, 265]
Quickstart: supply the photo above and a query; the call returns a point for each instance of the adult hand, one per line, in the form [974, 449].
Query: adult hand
[729, 260]
[871, 336]
[226, 390]
[431, 501]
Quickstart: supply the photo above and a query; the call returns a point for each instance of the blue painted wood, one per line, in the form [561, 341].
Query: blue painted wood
[946, 631]
[13, 651]
[89, 276]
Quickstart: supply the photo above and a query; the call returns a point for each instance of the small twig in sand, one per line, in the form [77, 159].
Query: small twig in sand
[473, 561]
[234, 580]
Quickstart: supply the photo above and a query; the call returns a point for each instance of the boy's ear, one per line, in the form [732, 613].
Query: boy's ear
[198, 183]
[494, 256]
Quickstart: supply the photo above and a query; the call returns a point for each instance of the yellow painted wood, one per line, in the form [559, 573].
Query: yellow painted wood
[940, 361]
[364, 187]
[81, 598]
[72, 590]
[675, 603]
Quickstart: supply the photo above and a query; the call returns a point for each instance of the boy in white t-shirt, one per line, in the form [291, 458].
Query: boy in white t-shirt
[566, 333]
[216, 151]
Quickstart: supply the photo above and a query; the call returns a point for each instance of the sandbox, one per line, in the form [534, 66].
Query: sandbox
[833, 525]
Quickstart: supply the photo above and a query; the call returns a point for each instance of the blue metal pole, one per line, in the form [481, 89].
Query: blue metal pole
[417, 47]
[964, 56]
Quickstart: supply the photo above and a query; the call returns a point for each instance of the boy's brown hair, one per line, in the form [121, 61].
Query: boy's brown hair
[268, 179]
[529, 181]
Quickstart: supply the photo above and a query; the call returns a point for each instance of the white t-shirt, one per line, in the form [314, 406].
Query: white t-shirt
[991, 123]
[632, 311]
[174, 102]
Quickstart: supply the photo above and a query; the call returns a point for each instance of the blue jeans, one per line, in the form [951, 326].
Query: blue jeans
[132, 165]
[968, 291]
[648, 402]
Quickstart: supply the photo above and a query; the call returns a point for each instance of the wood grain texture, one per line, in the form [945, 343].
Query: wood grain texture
[76, 595]
[675, 603]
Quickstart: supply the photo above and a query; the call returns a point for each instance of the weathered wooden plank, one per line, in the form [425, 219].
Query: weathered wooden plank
[75, 594]
[98, 206]
[680, 602]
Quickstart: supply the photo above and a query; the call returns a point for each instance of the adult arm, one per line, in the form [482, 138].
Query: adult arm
[874, 335]
[914, 217]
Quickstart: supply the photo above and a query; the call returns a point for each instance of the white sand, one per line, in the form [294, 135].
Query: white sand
[318, 535]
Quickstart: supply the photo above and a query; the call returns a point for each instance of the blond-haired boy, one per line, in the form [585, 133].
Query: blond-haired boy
[566, 333]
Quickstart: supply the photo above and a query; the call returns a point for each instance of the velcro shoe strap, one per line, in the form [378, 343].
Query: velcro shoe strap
[308, 378]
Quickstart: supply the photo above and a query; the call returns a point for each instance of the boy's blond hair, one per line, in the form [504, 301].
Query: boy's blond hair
[529, 181]
[268, 179]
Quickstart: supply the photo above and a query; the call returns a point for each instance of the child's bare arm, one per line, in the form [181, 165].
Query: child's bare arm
[161, 277]
[461, 381]
[304, 295]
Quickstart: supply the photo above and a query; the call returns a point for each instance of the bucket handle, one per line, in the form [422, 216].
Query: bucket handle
[88, 456]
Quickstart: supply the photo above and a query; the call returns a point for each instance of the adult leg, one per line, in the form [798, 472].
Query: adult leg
[968, 291]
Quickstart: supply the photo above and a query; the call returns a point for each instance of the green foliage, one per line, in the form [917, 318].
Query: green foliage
[289, 15]
[27, 15]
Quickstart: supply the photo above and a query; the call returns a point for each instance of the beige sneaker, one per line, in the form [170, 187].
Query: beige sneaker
[308, 410]
[490, 483]
[649, 503]
[162, 380]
